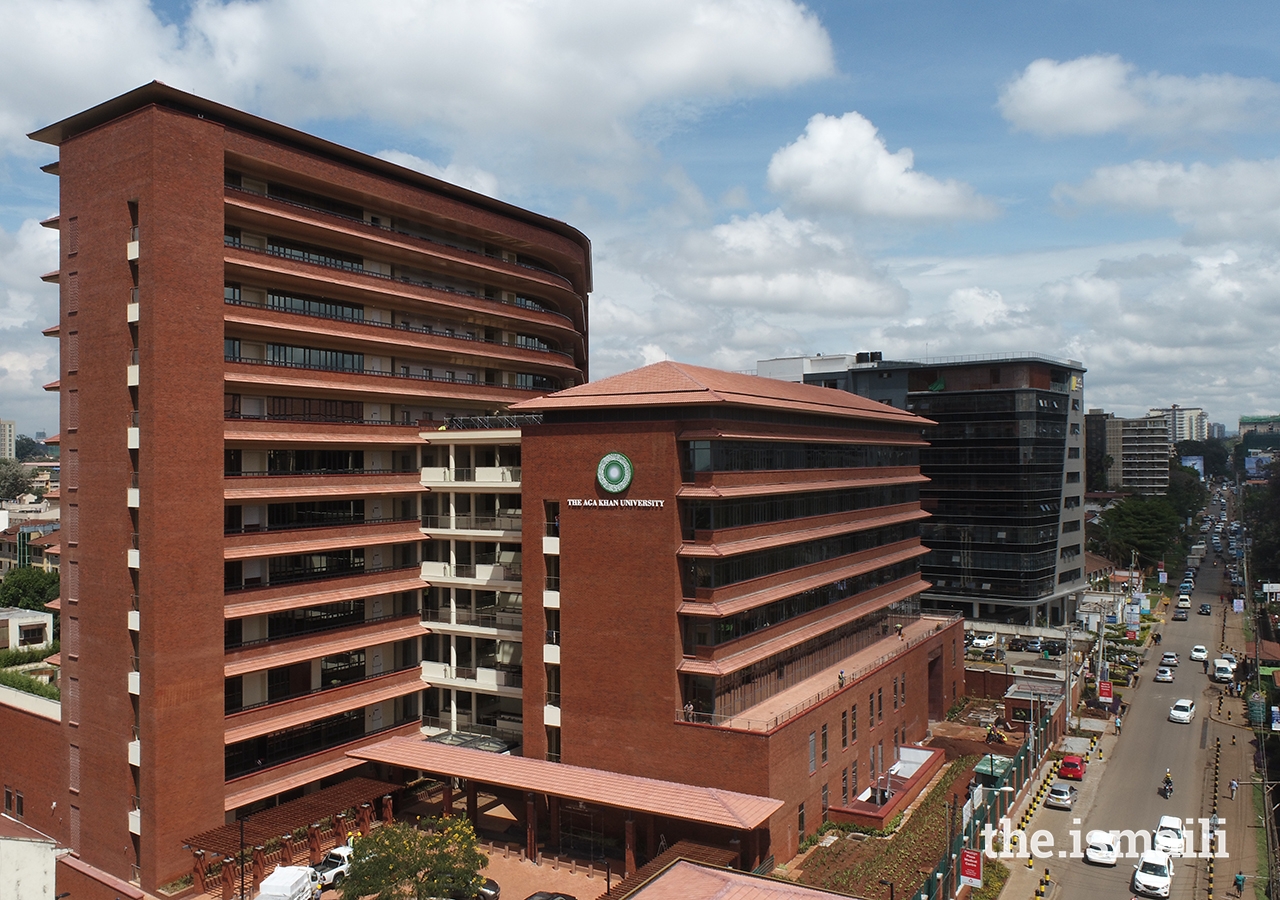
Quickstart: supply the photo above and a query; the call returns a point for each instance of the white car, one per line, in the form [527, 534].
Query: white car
[1101, 849]
[334, 867]
[1182, 712]
[1153, 875]
[1164, 674]
[1199, 653]
[983, 641]
[1231, 660]
[1168, 837]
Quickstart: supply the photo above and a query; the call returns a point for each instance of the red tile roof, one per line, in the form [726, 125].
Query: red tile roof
[691, 881]
[56, 439]
[668, 799]
[679, 384]
[51, 331]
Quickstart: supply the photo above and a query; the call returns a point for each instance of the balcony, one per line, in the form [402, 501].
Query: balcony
[257, 600]
[491, 477]
[131, 251]
[551, 715]
[135, 683]
[497, 575]
[487, 621]
[498, 526]
[331, 483]
[303, 540]
[135, 753]
[135, 620]
[131, 370]
[135, 821]
[301, 648]
[133, 496]
[502, 682]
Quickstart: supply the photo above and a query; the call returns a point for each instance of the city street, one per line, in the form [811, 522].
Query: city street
[1124, 793]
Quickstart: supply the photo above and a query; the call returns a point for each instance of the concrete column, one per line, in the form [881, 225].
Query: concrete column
[630, 838]
[531, 827]
[553, 810]
[977, 609]
[473, 811]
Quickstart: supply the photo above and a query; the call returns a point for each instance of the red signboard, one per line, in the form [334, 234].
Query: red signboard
[1131, 635]
[1104, 690]
[971, 868]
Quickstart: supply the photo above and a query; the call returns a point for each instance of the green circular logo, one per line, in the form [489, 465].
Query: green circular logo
[614, 473]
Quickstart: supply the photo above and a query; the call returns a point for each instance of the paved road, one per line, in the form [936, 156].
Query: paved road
[1126, 795]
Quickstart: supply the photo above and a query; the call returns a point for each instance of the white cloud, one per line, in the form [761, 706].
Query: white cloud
[571, 74]
[1093, 95]
[1238, 199]
[842, 165]
[28, 359]
[470, 177]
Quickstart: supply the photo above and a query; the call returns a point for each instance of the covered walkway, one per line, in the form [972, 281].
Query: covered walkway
[735, 816]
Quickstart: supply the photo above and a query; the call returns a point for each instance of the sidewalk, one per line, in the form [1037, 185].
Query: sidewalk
[1241, 824]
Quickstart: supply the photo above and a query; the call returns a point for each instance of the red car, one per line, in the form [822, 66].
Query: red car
[1071, 767]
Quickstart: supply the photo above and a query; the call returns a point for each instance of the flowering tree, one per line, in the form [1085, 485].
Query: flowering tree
[438, 858]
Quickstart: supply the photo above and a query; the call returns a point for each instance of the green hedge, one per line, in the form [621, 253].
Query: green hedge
[11, 658]
[29, 685]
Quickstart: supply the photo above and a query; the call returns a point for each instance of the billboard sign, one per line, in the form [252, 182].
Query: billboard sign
[971, 868]
[1104, 691]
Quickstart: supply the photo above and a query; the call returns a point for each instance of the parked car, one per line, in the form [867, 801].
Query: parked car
[1061, 796]
[1164, 674]
[1169, 658]
[1231, 660]
[1153, 875]
[1206, 609]
[1101, 848]
[1035, 645]
[1199, 653]
[992, 654]
[549, 895]
[1182, 712]
[334, 867]
[1016, 645]
[1180, 615]
[983, 641]
[1055, 648]
[1072, 767]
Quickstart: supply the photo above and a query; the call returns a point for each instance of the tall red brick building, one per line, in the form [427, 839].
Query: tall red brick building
[256, 326]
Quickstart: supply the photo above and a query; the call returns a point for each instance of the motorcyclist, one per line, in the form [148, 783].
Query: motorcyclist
[1167, 784]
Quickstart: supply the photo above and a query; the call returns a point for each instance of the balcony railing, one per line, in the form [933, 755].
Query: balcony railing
[256, 473]
[480, 423]
[474, 728]
[521, 302]
[553, 582]
[401, 326]
[552, 698]
[417, 237]
[482, 475]
[408, 376]
[328, 419]
[553, 637]
[320, 573]
[487, 617]
[318, 690]
[347, 522]
[318, 629]
[474, 523]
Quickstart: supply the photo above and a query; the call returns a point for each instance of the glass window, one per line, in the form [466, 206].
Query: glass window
[824, 745]
[813, 752]
[844, 729]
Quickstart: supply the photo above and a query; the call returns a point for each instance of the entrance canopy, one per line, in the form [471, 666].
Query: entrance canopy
[667, 799]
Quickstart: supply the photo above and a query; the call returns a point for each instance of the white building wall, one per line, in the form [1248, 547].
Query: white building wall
[27, 868]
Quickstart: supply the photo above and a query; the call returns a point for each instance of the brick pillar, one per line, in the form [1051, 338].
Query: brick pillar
[313, 844]
[446, 806]
[259, 866]
[197, 871]
[531, 826]
[229, 878]
[366, 819]
[388, 811]
[340, 827]
[473, 805]
[630, 837]
[286, 849]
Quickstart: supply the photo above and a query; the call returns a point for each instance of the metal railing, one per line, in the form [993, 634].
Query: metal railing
[376, 373]
[346, 522]
[741, 723]
[480, 618]
[510, 474]
[317, 574]
[274, 473]
[474, 523]
[478, 423]
[399, 326]
[319, 690]
[320, 629]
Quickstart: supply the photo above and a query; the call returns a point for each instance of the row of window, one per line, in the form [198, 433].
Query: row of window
[711, 515]
[717, 573]
[763, 456]
[700, 632]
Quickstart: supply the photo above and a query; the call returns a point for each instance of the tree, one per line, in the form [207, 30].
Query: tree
[27, 448]
[28, 588]
[1187, 494]
[15, 479]
[1149, 525]
[399, 860]
[1217, 459]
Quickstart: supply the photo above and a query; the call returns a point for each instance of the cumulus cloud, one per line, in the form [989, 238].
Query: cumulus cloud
[28, 359]
[1238, 199]
[842, 165]
[568, 73]
[470, 177]
[1100, 94]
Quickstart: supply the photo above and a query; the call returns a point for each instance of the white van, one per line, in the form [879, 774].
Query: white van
[1222, 671]
[290, 883]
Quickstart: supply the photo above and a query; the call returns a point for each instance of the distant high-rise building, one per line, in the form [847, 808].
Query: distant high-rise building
[1006, 471]
[1185, 423]
[8, 439]
[1259, 425]
[1217, 431]
[1127, 454]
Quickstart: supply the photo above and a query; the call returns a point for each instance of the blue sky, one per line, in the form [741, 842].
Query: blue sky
[759, 177]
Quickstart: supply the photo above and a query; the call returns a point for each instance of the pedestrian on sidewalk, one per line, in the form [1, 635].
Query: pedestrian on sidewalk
[1235, 785]
[1239, 884]
[1117, 725]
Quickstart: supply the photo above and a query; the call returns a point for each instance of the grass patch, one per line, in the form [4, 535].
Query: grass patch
[917, 845]
[29, 685]
[994, 875]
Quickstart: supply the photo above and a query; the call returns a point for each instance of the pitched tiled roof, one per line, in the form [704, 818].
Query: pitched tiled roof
[679, 384]
[669, 799]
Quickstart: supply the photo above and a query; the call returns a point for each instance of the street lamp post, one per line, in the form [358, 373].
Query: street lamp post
[889, 884]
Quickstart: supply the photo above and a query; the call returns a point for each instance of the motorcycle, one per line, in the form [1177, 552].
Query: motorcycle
[1166, 789]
